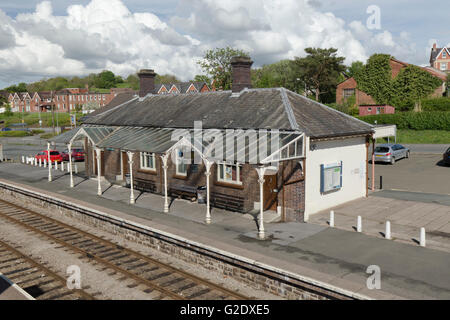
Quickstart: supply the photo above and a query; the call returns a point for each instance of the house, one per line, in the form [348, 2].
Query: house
[440, 58]
[349, 88]
[253, 149]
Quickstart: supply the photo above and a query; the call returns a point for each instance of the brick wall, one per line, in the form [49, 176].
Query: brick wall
[294, 195]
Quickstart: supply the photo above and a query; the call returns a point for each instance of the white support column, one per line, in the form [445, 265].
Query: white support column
[49, 161]
[130, 162]
[208, 165]
[69, 146]
[99, 171]
[40, 163]
[165, 159]
[261, 172]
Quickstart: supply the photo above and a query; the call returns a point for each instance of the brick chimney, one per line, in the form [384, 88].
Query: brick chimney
[147, 82]
[241, 73]
[434, 47]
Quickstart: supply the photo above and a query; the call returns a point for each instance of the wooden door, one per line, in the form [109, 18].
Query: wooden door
[270, 193]
[125, 165]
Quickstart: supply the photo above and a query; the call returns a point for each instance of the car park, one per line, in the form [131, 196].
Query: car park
[446, 157]
[77, 155]
[390, 153]
[55, 156]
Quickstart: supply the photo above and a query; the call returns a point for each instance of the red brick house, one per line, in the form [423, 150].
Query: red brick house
[348, 88]
[309, 157]
[440, 58]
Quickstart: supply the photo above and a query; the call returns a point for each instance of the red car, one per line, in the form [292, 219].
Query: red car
[77, 155]
[54, 156]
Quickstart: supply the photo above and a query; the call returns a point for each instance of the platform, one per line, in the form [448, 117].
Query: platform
[339, 258]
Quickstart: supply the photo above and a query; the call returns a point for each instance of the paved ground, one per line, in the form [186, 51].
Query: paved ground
[406, 217]
[10, 292]
[338, 257]
[421, 173]
[428, 148]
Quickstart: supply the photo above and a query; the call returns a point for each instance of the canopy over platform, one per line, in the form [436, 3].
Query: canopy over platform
[94, 134]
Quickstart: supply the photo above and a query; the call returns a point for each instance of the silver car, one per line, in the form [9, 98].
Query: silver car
[390, 153]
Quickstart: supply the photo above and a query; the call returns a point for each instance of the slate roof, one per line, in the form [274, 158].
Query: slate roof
[116, 101]
[275, 108]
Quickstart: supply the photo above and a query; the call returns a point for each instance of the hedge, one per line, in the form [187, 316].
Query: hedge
[438, 120]
[436, 104]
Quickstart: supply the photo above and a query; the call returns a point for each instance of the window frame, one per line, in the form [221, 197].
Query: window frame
[178, 163]
[144, 161]
[238, 181]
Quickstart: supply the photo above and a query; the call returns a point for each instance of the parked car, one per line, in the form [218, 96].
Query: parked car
[54, 156]
[447, 157]
[77, 155]
[6, 129]
[391, 153]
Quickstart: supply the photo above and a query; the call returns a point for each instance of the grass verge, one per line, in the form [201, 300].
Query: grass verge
[420, 137]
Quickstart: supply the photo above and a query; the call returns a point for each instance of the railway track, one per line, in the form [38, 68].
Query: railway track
[153, 275]
[35, 278]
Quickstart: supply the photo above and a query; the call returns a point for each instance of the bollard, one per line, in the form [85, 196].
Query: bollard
[40, 163]
[332, 219]
[76, 168]
[56, 165]
[387, 235]
[359, 224]
[23, 159]
[45, 163]
[62, 166]
[381, 182]
[422, 237]
[35, 162]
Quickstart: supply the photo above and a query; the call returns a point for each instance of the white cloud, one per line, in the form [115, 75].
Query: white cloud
[105, 34]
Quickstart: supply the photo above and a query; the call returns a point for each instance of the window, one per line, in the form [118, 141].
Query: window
[369, 109]
[229, 173]
[181, 167]
[443, 66]
[148, 161]
[349, 93]
[444, 54]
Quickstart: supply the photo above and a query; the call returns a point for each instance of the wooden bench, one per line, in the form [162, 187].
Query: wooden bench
[182, 191]
[227, 202]
[144, 185]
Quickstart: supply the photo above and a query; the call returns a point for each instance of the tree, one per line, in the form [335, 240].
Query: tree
[408, 88]
[412, 85]
[320, 71]
[354, 68]
[133, 81]
[105, 80]
[284, 74]
[166, 78]
[447, 83]
[217, 65]
[202, 78]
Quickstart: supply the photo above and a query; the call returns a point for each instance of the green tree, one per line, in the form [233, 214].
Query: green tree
[217, 65]
[133, 81]
[447, 83]
[284, 74]
[8, 112]
[354, 68]
[376, 77]
[105, 80]
[320, 71]
[166, 78]
[202, 78]
[408, 88]
[412, 85]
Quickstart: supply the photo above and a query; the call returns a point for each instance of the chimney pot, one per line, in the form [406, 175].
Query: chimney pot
[147, 82]
[434, 46]
[241, 73]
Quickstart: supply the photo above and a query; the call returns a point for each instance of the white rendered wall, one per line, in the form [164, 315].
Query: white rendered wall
[352, 153]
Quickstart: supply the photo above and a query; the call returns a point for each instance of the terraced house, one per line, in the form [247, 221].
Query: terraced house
[251, 149]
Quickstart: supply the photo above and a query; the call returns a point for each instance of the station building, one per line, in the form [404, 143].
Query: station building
[251, 149]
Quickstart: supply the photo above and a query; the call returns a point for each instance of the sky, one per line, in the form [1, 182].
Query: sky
[43, 39]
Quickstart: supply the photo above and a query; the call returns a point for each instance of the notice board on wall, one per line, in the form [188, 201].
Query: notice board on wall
[330, 177]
